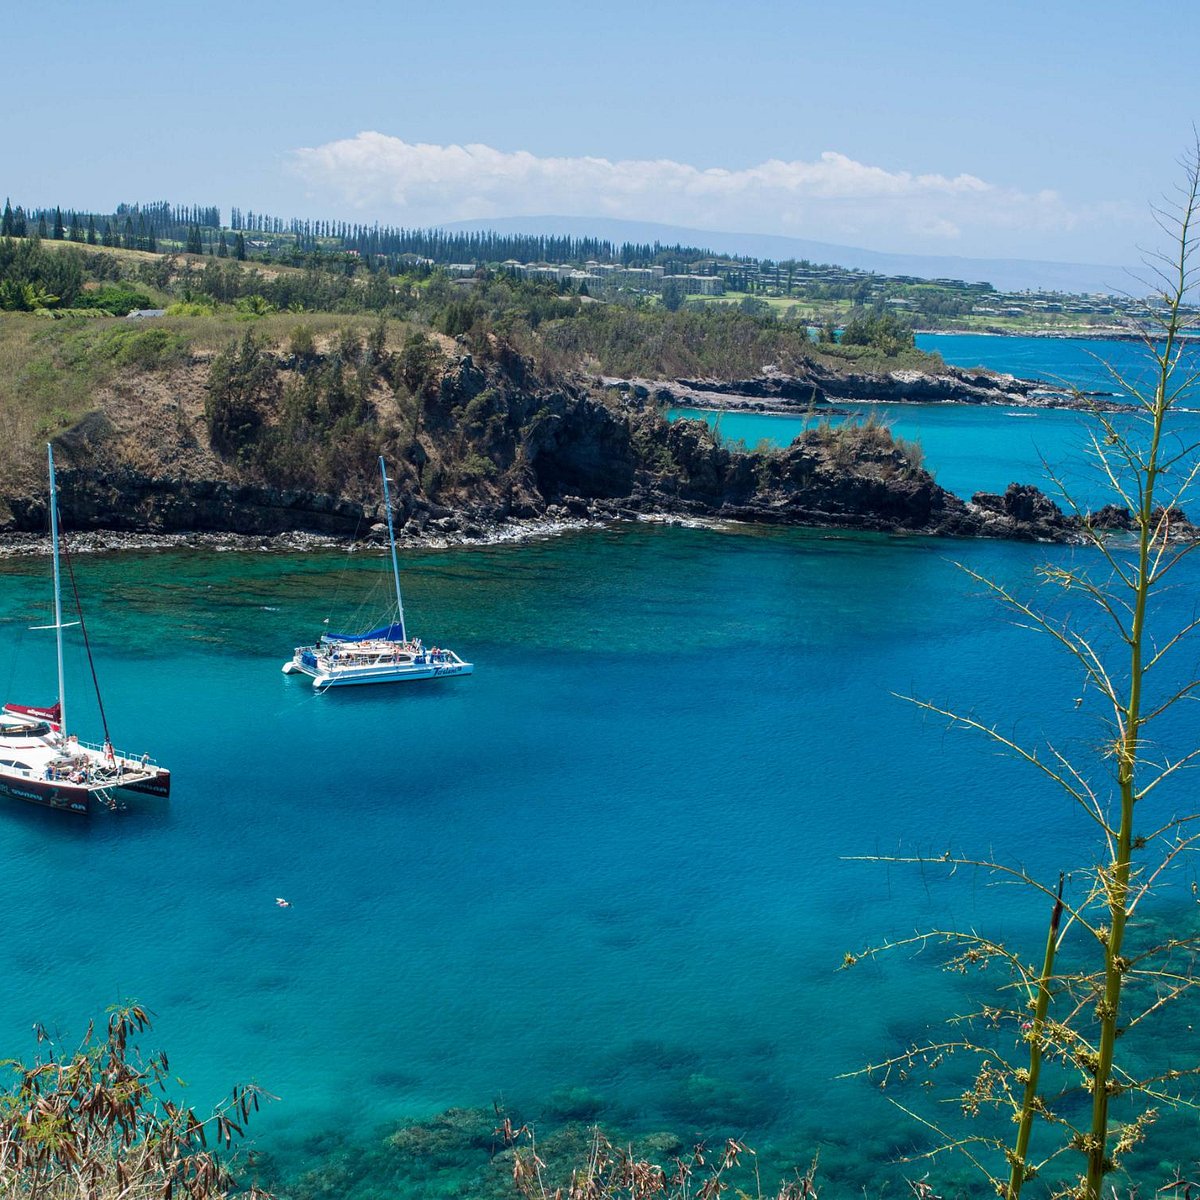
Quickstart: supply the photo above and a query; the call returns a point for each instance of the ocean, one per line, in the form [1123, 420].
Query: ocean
[611, 876]
[986, 449]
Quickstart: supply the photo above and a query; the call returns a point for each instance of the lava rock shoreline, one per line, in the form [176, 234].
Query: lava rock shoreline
[559, 453]
[821, 389]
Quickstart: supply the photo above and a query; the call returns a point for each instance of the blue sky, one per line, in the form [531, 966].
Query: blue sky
[1037, 130]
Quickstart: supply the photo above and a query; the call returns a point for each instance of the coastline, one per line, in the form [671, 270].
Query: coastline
[515, 530]
[1098, 333]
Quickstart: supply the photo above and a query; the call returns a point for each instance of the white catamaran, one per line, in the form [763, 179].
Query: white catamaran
[385, 654]
[41, 761]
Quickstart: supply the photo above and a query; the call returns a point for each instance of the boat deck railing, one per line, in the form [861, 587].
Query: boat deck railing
[134, 761]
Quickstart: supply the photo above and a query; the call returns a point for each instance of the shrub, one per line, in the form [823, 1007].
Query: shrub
[99, 1123]
[136, 345]
[114, 299]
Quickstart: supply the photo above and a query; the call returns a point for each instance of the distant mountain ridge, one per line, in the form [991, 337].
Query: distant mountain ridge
[1006, 274]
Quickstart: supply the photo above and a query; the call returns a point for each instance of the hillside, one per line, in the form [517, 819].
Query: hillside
[210, 424]
[261, 398]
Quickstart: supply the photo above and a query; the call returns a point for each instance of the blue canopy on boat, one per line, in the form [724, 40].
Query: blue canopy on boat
[386, 633]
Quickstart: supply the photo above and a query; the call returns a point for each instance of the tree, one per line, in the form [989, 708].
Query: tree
[241, 381]
[239, 248]
[91, 231]
[43, 231]
[222, 246]
[59, 232]
[377, 342]
[418, 363]
[6, 222]
[1099, 974]
[673, 295]
[99, 1122]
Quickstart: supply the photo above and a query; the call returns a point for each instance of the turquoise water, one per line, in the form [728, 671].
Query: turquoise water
[613, 859]
[971, 449]
[1084, 363]
[605, 876]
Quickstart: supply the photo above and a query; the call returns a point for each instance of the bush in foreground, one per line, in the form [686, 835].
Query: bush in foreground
[97, 1124]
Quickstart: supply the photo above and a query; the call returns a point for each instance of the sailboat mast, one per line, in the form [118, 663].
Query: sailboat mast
[58, 622]
[387, 507]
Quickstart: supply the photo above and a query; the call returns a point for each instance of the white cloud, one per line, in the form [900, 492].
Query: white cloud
[833, 199]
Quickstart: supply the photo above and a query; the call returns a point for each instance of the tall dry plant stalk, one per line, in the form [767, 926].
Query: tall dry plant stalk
[613, 1172]
[1102, 974]
[97, 1124]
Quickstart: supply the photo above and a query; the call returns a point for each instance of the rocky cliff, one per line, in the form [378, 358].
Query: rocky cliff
[472, 445]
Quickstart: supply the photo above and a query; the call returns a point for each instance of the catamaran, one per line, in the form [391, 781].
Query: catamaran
[41, 761]
[384, 654]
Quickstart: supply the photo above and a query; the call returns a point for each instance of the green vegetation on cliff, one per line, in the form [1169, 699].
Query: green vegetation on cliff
[355, 356]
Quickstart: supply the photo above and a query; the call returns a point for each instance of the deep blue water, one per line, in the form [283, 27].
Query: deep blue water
[614, 859]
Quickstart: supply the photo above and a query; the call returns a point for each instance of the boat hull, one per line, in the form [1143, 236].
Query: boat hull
[357, 676]
[390, 675]
[62, 797]
[159, 784]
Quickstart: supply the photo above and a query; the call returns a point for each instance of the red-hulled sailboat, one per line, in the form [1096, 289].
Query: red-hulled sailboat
[42, 762]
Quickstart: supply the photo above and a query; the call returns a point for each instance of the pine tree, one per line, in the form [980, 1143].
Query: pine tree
[91, 231]
[43, 232]
[222, 246]
[239, 251]
[6, 222]
[59, 231]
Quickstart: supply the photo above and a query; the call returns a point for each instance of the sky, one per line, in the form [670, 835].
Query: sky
[1018, 129]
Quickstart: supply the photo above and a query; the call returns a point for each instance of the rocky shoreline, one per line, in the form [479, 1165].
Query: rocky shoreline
[21, 545]
[820, 391]
[1022, 513]
[503, 455]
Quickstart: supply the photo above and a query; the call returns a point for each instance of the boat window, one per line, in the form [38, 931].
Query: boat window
[12, 762]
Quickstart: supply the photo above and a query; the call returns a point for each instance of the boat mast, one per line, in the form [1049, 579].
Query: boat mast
[387, 507]
[58, 621]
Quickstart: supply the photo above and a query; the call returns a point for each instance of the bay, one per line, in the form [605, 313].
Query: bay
[613, 872]
[968, 448]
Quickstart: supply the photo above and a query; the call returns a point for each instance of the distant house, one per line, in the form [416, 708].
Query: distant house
[140, 314]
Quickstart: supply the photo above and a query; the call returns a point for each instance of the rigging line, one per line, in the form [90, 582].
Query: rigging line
[87, 644]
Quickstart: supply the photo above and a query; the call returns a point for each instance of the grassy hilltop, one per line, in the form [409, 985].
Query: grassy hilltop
[68, 351]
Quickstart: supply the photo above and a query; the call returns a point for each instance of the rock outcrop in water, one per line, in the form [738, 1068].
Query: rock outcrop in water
[821, 386]
[482, 444]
